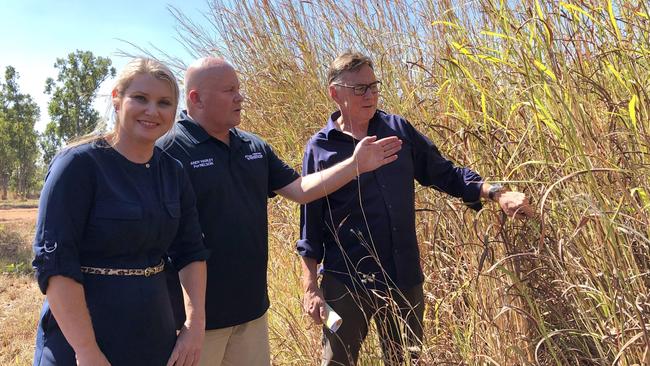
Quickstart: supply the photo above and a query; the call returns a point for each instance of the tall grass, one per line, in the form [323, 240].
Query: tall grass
[20, 299]
[551, 97]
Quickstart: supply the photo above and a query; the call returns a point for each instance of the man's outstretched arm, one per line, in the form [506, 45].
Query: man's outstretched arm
[369, 155]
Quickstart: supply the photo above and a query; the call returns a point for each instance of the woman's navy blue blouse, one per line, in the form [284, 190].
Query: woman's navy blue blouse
[98, 209]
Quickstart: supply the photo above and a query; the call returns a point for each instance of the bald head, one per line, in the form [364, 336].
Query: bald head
[212, 94]
[203, 69]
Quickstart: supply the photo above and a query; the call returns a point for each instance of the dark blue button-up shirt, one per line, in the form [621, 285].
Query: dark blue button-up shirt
[365, 231]
[99, 209]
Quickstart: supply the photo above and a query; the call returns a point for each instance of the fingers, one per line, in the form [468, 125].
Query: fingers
[187, 350]
[323, 312]
[173, 357]
[392, 152]
[197, 358]
[516, 205]
[390, 143]
[368, 140]
[388, 140]
[180, 357]
[526, 210]
[316, 314]
[392, 148]
[518, 211]
[389, 159]
[314, 307]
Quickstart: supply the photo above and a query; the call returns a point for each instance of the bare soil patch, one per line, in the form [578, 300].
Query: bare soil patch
[18, 214]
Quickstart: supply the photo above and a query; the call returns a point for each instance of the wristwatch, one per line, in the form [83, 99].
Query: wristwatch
[494, 189]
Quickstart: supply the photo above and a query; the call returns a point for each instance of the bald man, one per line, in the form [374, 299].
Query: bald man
[233, 174]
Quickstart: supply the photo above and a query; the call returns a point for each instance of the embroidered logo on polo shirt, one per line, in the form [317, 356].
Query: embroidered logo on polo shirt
[253, 156]
[202, 163]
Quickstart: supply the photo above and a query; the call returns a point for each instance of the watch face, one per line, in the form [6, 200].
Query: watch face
[494, 189]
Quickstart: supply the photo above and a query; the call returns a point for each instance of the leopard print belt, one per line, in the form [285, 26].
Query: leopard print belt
[149, 271]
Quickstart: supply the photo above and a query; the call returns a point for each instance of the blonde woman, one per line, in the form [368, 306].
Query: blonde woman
[112, 210]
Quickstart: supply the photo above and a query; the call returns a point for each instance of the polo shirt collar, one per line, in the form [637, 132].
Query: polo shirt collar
[200, 135]
[195, 131]
[333, 126]
[237, 139]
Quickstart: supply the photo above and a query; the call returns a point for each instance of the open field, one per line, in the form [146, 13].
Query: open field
[20, 299]
[17, 215]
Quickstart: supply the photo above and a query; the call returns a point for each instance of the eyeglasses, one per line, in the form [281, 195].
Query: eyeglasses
[361, 89]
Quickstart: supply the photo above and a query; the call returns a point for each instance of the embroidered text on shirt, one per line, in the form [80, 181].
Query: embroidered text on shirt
[202, 163]
[253, 156]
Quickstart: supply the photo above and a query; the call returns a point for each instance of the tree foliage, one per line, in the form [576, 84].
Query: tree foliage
[50, 142]
[7, 156]
[73, 92]
[18, 139]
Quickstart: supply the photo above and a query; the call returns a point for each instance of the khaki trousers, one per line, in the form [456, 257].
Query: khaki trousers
[244, 344]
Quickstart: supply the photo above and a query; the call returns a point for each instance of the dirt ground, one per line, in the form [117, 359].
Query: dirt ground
[20, 299]
[17, 214]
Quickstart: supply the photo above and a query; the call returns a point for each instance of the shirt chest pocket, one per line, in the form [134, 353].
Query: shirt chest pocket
[115, 226]
[118, 210]
[403, 167]
[169, 222]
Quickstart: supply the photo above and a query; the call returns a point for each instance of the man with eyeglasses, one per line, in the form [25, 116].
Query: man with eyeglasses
[364, 233]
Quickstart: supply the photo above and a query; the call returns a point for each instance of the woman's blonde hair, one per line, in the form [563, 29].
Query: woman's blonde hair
[135, 67]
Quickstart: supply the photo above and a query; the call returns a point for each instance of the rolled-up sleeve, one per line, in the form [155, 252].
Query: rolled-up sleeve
[187, 246]
[311, 215]
[433, 170]
[64, 206]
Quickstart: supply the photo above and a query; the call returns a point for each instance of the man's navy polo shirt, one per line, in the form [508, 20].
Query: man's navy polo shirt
[232, 185]
[362, 243]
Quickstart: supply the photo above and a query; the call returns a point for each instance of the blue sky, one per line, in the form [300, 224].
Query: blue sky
[34, 33]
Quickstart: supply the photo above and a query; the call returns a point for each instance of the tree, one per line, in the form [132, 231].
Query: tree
[75, 89]
[50, 143]
[7, 157]
[19, 112]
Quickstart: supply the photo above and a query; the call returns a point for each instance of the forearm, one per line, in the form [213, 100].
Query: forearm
[68, 304]
[309, 273]
[193, 280]
[322, 183]
[485, 188]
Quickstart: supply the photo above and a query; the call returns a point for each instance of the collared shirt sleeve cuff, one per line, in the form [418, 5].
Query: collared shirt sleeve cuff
[52, 259]
[472, 197]
[187, 258]
[288, 178]
[43, 277]
[306, 249]
[472, 189]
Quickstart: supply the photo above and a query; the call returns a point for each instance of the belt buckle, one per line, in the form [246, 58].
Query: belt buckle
[149, 271]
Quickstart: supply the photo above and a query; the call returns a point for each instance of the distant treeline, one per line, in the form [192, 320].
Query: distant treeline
[24, 153]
